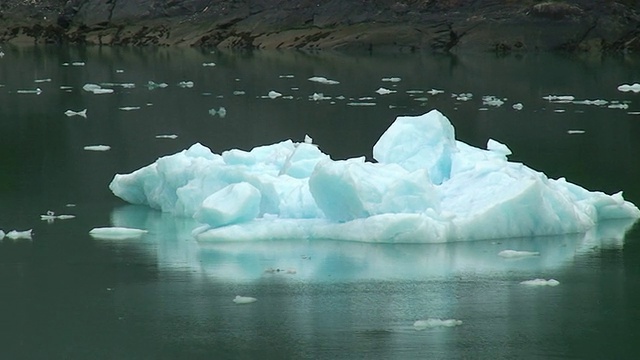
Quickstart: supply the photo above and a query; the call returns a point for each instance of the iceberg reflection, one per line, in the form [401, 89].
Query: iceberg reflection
[329, 260]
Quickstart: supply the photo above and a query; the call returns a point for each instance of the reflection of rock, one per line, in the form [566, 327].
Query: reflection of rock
[349, 24]
[327, 261]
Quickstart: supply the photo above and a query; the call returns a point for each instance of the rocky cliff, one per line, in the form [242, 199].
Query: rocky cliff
[376, 25]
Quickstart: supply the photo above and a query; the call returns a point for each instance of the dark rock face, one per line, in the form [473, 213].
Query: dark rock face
[377, 25]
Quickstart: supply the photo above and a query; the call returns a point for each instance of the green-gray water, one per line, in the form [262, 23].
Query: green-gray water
[65, 295]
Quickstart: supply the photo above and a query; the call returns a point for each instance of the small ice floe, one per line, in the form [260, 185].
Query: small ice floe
[273, 94]
[168, 136]
[51, 216]
[16, 235]
[541, 282]
[287, 76]
[318, 97]
[323, 80]
[209, 64]
[491, 100]
[119, 71]
[421, 99]
[185, 84]
[516, 254]
[626, 87]
[122, 85]
[559, 98]
[384, 91]
[66, 87]
[96, 89]
[239, 92]
[483, 109]
[70, 205]
[517, 106]
[1, 54]
[361, 104]
[152, 85]
[78, 63]
[244, 300]
[559, 110]
[572, 132]
[434, 92]
[392, 79]
[633, 112]
[2, 234]
[97, 147]
[598, 102]
[42, 80]
[463, 96]
[82, 113]
[36, 91]
[116, 233]
[413, 92]
[434, 323]
[618, 106]
[222, 112]
[366, 98]
[129, 108]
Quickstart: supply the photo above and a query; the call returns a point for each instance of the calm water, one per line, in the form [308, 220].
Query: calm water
[64, 295]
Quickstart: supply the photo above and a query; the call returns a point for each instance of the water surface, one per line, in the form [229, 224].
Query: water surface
[66, 295]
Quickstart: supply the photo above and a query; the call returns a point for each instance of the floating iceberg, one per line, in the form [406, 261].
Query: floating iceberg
[116, 233]
[541, 282]
[244, 300]
[425, 187]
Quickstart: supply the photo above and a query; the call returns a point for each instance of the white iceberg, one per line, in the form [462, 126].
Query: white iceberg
[425, 187]
[16, 235]
[97, 147]
[82, 113]
[515, 254]
[116, 233]
[244, 300]
[626, 88]
[323, 80]
[541, 282]
[384, 91]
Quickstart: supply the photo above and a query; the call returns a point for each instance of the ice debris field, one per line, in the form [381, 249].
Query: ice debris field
[425, 187]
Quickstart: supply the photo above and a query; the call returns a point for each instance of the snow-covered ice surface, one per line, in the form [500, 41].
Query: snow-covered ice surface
[426, 187]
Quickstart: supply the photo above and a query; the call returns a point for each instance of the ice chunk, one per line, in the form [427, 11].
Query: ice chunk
[572, 132]
[2, 234]
[36, 91]
[16, 235]
[433, 323]
[559, 98]
[244, 300]
[492, 101]
[435, 92]
[323, 80]
[541, 282]
[97, 147]
[514, 254]
[618, 106]
[116, 233]
[517, 106]
[383, 91]
[232, 204]
[222, 112]
[392, 79]
[82, 113]
[152, 85]
[361, 104]
[626, 87]
[185, 84]
[129, 108]
[51, 216]
[209, 64]
[96, 89]
[42, 80]
[167, 136]
[273, 94]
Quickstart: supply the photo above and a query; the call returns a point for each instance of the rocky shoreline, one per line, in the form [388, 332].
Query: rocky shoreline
[343, 25]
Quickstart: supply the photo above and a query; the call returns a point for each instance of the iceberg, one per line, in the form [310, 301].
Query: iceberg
[425, 187]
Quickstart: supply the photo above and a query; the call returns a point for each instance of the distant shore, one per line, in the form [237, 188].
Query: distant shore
[348, 25]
